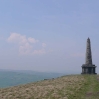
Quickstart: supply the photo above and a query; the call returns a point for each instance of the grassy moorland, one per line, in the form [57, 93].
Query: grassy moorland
[65, 87]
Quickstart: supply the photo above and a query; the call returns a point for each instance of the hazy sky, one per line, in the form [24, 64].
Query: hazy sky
[48, 35]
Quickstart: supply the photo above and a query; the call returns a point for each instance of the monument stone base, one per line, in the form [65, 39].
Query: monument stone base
[88, 69]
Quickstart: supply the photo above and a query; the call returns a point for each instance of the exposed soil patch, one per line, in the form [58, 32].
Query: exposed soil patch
[90, 94]
[98, 78]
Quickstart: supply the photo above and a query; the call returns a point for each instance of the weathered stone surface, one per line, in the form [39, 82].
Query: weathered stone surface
[88, 67]
[88, 53]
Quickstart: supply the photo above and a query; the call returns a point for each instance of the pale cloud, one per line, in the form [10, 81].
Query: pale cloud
[32, 40]
[17, 38]
[42, 51]
[26, 44]
[43, 45]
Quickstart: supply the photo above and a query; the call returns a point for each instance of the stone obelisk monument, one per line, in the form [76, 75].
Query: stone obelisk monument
[88, 67]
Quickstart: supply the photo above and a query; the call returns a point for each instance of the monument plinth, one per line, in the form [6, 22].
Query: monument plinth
[88, 67]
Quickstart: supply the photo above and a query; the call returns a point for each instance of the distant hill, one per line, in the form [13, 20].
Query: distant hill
[13, 78]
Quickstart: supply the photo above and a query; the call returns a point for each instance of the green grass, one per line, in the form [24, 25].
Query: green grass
[89, 90]
[65, 87]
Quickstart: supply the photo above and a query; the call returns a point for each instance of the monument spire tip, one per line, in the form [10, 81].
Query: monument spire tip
[88, 38]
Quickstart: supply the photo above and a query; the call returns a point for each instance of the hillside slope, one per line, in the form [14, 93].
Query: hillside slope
[65, 87]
